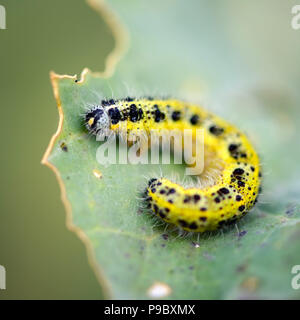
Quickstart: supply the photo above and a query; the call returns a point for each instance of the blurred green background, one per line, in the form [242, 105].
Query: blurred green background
[43, 260]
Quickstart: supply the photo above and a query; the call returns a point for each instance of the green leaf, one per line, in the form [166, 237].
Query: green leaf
[185, 51]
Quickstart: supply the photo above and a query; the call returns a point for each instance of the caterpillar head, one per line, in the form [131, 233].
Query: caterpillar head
[97, 121]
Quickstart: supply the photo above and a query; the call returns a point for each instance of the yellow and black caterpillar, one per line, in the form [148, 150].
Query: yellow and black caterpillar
[234, 190]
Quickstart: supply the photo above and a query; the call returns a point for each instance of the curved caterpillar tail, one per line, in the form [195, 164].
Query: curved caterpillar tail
[236, 186]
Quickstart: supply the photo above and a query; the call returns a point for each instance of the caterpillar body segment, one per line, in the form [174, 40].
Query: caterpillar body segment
[236, 185]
